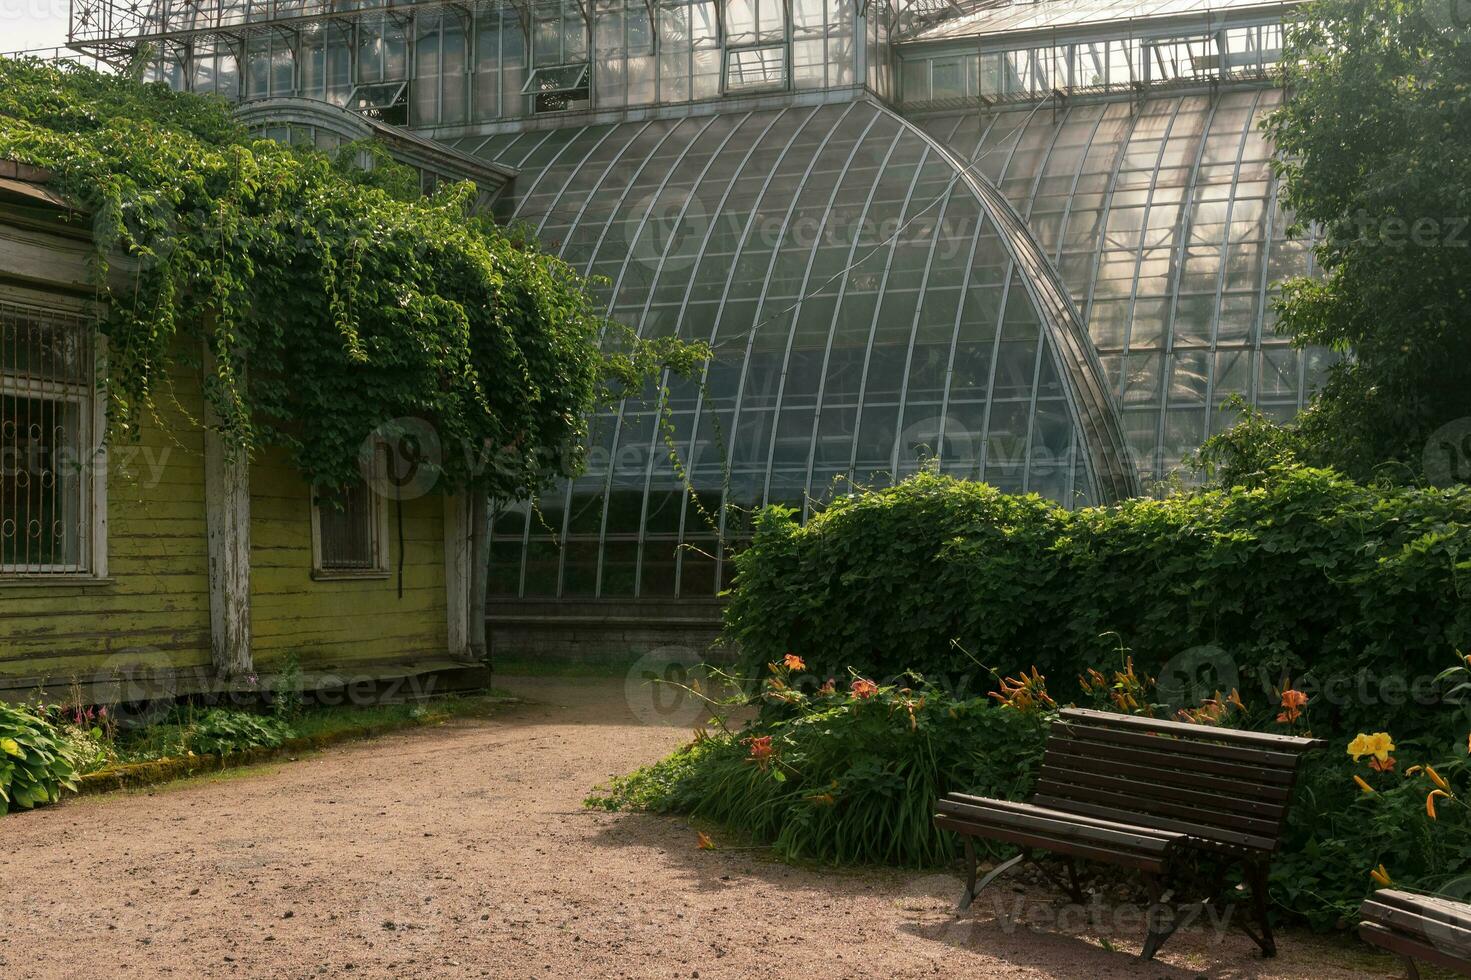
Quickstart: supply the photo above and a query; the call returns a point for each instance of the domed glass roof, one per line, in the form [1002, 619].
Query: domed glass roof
[873, 308]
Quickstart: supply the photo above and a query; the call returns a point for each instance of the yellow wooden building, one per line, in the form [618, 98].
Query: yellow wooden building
[162, 565]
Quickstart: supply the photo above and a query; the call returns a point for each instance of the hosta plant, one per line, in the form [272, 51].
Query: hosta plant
[220, 731]
[34, 764]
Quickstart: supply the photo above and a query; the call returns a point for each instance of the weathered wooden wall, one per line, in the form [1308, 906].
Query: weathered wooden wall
[152, 610]
[340, 625]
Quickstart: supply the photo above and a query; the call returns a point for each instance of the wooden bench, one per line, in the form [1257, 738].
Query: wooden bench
[1418, 927]
[1141, 793]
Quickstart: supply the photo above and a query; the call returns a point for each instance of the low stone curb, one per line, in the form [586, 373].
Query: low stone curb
[139, 774]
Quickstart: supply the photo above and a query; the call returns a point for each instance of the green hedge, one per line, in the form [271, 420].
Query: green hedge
[1360, 595]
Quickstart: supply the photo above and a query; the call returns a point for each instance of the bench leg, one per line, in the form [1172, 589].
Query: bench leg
[1075, 889]
[971, 888]
[1412, 972]
[1163, 919]
[970, 876]
[1256, 880]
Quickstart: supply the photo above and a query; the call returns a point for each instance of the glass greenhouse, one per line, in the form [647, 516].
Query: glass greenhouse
[1029, 243]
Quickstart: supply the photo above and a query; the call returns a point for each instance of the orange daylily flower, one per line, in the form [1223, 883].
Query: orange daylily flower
[1380, 876]
[706, 844]
[1436, 779]
[793, 662]
[1292, 704]
[1430, 802]
[863, 688]
[760, 749]
[1363, 785]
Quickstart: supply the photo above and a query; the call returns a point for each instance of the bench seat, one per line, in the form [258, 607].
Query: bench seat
[1025, 824]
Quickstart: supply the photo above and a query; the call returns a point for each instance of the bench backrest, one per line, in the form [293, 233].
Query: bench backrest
[1226, 788]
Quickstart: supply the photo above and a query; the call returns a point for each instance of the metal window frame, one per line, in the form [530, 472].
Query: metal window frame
[848, 266]
[796, 311]
[740, 396]
[92, 549]
[735, 177]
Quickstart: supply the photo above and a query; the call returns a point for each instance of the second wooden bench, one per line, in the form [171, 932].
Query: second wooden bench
[1142, 793]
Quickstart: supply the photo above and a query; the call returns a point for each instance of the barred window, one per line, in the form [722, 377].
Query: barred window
[49, 444]
[349, 531]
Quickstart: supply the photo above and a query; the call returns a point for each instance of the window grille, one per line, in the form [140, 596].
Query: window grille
[350, 526]
[48, 442]
[347, 524]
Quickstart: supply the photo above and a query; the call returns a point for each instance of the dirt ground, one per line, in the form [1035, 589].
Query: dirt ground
[464, 851]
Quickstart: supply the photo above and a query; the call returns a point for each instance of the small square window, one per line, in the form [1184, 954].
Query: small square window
[558, 88]
[386, 102]
[350, 531]
[748, 69]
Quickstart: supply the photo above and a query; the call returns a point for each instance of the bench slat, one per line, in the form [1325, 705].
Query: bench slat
[1207, 733]
[1436, 906]
[1403, 945]
[1274, 761]
[1109, 806]
[1151, 812]
[1163, 754]
[1104, 855]
[1239, 790]
[1149, 786]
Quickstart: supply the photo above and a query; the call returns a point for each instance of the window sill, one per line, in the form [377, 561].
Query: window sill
[55, 581]
[334, 575]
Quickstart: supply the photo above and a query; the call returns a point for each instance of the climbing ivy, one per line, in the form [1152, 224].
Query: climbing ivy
[321, 299]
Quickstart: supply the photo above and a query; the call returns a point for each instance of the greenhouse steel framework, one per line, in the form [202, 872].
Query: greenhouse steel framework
[1029, 243]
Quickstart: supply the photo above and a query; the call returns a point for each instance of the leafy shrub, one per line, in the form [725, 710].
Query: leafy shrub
[845, 777]
[220, 731]
[34, 764]
[1355, 594]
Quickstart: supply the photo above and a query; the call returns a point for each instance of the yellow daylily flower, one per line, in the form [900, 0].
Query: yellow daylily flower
[1436, 779]
[1380, 876]
[1430, 802]
[1363, 785]
[1379, 745]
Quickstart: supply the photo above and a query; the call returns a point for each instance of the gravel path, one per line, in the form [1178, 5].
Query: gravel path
[463, 851]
